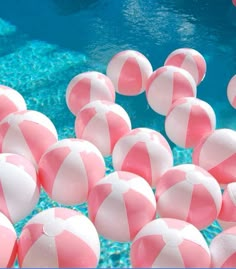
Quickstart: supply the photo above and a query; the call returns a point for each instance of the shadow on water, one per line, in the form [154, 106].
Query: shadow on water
[68, 7]
[10, 43]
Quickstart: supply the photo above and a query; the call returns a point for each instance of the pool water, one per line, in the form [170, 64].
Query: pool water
[44, 44]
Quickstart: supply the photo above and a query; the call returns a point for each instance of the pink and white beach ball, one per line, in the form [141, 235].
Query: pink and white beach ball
[87, 87]
[8, 239]
[120, 205]
[190, 60]
[19, 186]
[169, 243]
[231, 91]
[188, 121]
[227, 216]
[59, 238]
[102, 123]
[129, 71]
[11, 101]
[189, 193]
[28, 133]
[144, 152]
[69, 169]
[166, 85]
[216, 153]
[223, 249]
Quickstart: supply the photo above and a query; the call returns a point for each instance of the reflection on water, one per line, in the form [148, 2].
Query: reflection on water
[101, 28]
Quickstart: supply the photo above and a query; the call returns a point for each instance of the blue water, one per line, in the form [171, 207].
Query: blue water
[44, 43]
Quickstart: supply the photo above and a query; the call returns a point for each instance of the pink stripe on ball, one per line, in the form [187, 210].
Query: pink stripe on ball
[102, 123]
[199, 125]
[6, 106]
[96, 198]
[3, 130]
[81, 89]
[195, 194]
[182, 88]
[136, 219]
[152, 246]
[231, 261]
[47, 173]
[168, 243]
[11, 101]
[130, 81]
[190, 60]
[68, 257]
[169, 181]
[59, 237]
[60, 213]
[84, 118]
[166, 85]
[199, 212]
[124, 198]
[144, 152]
[201, 66]
[129, 71]
[113, 121]
[32, 130]
[8, 239]
[99, 168]
[225, 176]
[190, 257]
[195, 120]
[69, 169]
[139, 153]
[28, 236]
[227, 216]
[176, 59]
[87, 87]
[3, 203]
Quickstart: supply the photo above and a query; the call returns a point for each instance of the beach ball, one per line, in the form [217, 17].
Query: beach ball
[231, 91]
[11, 101]
[189, 193]
[69, 169]
[227, 216]
[216, 153]
[8, 239]
[234, 2]
[28, 133]
[102, 123]
[19, 186]
[190, 60]
[166, 85]
[223, 249]
[169, 243]
[59, 238]
[129, 71]
[120, 204]
[188, 121]
[87, 87]
[144, 152]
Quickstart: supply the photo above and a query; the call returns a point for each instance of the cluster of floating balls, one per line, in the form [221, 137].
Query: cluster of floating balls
[158, 207]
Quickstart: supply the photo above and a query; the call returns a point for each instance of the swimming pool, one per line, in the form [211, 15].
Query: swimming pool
[43, 44]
